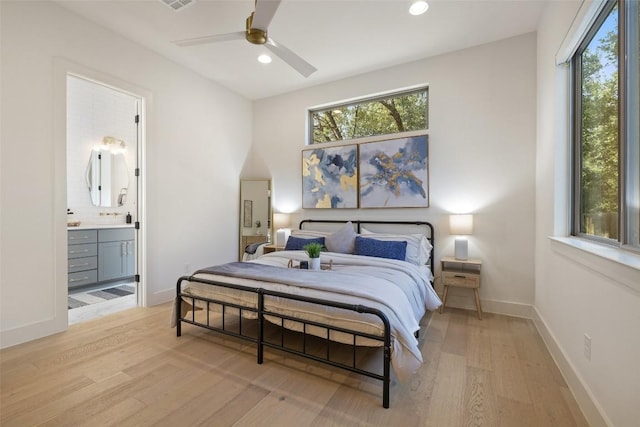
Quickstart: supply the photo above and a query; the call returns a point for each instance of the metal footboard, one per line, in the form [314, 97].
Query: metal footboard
[261, 312]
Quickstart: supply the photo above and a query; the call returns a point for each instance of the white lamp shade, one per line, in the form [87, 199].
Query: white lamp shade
[281, 220]
[461, 224]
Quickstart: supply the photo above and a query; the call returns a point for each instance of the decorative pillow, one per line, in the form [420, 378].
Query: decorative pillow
[343, 240]
[418, 246]
[297, 243]
[380, 248]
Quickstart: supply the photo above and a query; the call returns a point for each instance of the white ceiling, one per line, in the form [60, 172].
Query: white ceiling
[339, 37]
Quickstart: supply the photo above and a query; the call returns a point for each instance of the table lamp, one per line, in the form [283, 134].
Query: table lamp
[461, 225]
[281, 223]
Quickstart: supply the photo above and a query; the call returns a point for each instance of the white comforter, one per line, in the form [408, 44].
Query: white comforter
[399, 289]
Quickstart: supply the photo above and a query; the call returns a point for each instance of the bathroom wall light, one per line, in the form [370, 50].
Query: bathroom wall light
[418, 7]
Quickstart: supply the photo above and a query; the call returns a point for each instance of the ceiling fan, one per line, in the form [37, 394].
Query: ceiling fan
[256, 33]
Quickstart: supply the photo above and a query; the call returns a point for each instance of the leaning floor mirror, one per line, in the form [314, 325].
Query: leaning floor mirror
[255, 212]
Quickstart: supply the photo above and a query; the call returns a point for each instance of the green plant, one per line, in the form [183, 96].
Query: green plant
[258, 224]
[313, 249]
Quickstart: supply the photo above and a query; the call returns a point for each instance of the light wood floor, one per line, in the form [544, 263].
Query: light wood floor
[129, 369]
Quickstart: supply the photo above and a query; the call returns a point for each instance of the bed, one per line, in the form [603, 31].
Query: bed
[372, 291]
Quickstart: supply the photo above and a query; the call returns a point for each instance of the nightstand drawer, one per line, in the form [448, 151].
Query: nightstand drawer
[460, 279]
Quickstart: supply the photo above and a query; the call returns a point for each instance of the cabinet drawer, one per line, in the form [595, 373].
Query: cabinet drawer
[82, 278]
[116, 234]
[82, 264]
[461, 279]
[81, 251]
[82, 236]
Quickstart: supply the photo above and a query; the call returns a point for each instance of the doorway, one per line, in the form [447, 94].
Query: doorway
[104, 141]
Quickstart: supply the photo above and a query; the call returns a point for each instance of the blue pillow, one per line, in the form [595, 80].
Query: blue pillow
[297, 243]
[380, 248]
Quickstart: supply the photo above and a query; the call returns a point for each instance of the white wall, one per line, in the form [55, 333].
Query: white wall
[576, 293]
[197, 143]
[481, 156]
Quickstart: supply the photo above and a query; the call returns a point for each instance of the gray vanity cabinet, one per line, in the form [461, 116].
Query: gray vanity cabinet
[82, 251]
[116, 254]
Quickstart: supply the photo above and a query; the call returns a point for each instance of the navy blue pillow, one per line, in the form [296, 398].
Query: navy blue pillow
[297, 243]
[380, 248]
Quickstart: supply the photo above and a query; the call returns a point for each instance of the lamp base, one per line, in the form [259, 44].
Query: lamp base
[461, 249]
[282, 235]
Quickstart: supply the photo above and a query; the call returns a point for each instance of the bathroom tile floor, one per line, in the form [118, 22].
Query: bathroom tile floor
[99, 307]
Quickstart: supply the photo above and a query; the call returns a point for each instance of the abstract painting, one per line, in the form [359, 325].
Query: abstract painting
[394, 173]
[330, 177]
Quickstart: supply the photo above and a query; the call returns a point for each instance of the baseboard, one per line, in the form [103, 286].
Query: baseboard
[581, 392]
[491, 306]
[161, 297]
[11, 337]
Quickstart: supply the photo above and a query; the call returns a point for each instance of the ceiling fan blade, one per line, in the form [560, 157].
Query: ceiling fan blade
[239, 35]
[265, 9]
[299, 64]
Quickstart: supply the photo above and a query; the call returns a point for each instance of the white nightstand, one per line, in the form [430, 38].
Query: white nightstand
[462, 274]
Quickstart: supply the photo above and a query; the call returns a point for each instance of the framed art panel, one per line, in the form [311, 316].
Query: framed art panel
[247, 220]
[394, 173]
[330, 177]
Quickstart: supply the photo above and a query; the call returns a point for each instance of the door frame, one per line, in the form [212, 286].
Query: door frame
[62, 69]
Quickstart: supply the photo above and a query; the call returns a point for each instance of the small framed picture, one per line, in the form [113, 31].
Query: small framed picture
[248, 213]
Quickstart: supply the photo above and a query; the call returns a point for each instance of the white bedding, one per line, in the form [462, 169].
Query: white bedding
[399, 289]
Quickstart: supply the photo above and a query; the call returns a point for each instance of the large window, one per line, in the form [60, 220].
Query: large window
[606, 160]
[389, 114]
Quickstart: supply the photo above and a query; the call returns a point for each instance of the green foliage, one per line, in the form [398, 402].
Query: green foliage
[599, 135]
[313, 249]
[395, 114]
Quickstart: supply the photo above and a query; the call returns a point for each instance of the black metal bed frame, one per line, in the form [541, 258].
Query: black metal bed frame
[261, 312]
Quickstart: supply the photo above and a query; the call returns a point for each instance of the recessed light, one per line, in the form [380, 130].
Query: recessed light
[418, 7]
[264, 58]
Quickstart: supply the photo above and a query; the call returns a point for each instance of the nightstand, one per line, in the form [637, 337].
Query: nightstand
[461, 274]
[267, 249]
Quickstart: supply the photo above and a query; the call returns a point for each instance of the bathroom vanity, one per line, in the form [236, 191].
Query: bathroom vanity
[102, 254]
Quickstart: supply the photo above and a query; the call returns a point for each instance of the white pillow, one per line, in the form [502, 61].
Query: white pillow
[309, 233]
[343, 240]
[418, 246]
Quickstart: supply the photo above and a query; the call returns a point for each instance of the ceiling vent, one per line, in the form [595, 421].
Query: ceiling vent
[178, 4]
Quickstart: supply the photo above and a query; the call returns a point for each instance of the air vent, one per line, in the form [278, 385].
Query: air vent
[177, 4]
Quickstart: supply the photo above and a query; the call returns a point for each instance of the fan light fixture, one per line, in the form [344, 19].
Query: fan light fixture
[256, 33]
[418, 7]
[264, 58]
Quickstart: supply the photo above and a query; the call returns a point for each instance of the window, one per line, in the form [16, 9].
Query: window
[606, 105]
[395, 113]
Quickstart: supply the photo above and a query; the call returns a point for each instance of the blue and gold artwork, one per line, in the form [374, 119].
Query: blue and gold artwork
[330, 177]
[394, 173]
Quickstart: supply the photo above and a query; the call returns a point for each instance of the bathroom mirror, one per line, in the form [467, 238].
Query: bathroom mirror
[107, 175]
[255, 212]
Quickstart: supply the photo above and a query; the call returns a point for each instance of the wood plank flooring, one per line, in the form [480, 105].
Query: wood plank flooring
[129, 369]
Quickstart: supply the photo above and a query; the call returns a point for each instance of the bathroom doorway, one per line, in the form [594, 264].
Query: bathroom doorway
[104, 149]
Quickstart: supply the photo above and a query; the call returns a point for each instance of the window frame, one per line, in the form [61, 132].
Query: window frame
[627, 129]
[362, 100]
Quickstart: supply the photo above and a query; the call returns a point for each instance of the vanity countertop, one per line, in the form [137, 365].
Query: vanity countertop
[99, 226]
